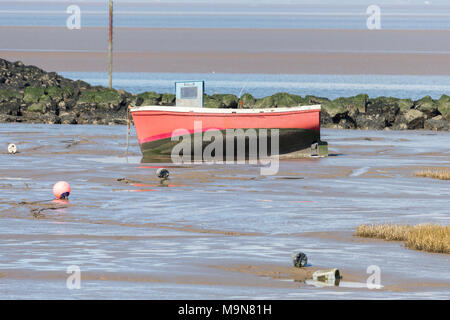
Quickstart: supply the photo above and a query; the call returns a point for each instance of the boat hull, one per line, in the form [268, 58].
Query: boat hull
[160, 129]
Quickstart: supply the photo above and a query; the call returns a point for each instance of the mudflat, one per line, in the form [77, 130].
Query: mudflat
[228, 50]
[214, 231]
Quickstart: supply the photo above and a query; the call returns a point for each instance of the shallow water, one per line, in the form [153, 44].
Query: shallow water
[135, 238]
[262, 85]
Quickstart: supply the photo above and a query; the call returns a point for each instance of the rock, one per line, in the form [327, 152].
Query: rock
[62, 105]
[344, 121]
[333, 109]
[329, 108]
[226, 100]
[149, 98]
[351, 103]
[68, 91]
[10, 108]
[210, 102]
[343, 111]
[279, 100]
[168, 99]
[444, 107]
[325, 118]
[283, 100]
[414, 119]
[380, 113]
[437, 124]
[266, 102]
[402, 104]
[45, 99]
[220, 101]
[230, 101]
[400, 126]
[32, 94]
[247, 100]
[371, 121]
[37, 107]
[9, 95]
[68, 118]
[105, 99]
[54, 93]
[428, 106]
[311, 100]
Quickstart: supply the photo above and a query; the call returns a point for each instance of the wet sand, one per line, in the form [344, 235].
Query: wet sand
[286, 51]
[214, 231]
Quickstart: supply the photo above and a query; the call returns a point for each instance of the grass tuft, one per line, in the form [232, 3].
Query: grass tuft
[442, 174]
[425, 237]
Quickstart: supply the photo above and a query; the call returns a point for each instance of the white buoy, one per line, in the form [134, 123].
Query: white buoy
[12, 148]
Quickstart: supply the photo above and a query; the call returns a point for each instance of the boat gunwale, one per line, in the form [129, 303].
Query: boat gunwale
[228, 111]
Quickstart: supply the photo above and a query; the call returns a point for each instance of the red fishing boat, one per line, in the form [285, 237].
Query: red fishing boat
[157, 126]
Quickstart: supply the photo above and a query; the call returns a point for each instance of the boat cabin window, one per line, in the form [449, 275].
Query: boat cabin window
[188, 93]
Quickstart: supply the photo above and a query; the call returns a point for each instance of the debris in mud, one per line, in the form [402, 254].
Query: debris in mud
[299, 259]
[290, 178]
[38, 212]
[12, 148]
[72, 143]
[162, 173]
[128, 181]
[329, 276]
[37, 208]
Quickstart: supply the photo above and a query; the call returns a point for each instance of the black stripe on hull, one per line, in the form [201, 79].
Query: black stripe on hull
[290, 141]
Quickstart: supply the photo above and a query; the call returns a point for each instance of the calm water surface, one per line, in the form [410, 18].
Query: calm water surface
[261, 85]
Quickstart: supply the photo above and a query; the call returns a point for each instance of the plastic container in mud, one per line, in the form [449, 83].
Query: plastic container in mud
[327, 276]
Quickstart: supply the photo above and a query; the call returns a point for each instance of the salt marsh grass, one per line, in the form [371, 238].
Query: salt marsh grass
[441, 174]
[425, 237]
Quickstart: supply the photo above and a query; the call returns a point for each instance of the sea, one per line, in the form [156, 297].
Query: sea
[261, 85]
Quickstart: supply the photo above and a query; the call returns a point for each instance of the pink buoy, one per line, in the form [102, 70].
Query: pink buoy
[61, 190]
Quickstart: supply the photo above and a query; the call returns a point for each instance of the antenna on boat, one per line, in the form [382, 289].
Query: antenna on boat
[242, 90]
[240, 104]
[110, 36]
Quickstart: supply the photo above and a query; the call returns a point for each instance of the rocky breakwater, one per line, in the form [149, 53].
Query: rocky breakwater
[29, 94]
[362, 112]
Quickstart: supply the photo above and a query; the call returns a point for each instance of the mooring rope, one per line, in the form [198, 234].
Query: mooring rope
[128, 127]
